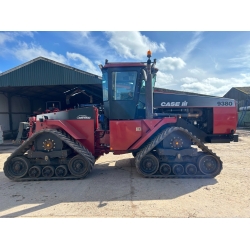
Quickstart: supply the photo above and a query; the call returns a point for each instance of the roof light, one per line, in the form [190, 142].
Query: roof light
[149, 53]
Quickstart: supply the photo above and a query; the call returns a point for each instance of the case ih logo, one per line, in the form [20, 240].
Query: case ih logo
[164, 104]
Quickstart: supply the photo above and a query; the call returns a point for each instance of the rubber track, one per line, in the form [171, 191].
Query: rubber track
[160, 137]
[71, 142]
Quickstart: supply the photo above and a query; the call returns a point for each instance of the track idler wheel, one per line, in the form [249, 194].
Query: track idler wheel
[149, 165]
[35, 171]
[190, 169]
[79, 166]
[61, 171]
[48, 171]
[178, 169]
[18, 167]
[165, 169]
[208, 164]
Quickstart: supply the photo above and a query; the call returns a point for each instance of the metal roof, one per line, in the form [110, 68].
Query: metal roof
[124, 64]
[238, 93]
[46, 79]
[42, 71]
[171, 91]
[245, 90]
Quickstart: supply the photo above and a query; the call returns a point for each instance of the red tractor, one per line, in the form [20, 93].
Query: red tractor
[164, 132]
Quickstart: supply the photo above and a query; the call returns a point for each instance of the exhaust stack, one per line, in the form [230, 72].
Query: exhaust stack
[149, 89]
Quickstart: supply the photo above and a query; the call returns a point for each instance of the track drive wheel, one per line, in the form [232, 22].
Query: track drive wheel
[149, 165]
[79, 166]
[18, 167]
[208, 164]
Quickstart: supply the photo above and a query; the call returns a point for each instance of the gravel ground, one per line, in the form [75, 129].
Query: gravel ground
[114, 189]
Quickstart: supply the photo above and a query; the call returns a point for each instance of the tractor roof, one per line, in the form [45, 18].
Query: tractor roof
[124, 64]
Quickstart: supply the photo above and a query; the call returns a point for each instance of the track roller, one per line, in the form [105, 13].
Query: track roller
[35, 171]
[165, 169]
[61, 171]
[190, 169]
[178, 169]
[48, 171]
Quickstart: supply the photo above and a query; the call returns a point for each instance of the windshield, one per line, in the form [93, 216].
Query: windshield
[123, 85]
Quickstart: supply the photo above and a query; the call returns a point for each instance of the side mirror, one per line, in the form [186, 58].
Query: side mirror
[144, 75]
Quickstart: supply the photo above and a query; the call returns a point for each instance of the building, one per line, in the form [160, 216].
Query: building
[38, 83]
[240, 94]
[242, 97]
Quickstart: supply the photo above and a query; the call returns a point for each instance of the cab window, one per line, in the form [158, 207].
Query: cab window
[123, 85]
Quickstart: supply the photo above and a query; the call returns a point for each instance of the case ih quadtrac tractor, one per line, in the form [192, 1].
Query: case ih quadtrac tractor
[164, 132]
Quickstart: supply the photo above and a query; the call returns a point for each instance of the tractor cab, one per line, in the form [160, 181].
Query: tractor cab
[124, 89]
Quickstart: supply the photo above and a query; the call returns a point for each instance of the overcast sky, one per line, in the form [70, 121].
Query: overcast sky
[208, 62]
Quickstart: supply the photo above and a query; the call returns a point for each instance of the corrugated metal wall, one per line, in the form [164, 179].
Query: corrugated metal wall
[20, 109]
[4, 116]
[238, 95]
[242, 99]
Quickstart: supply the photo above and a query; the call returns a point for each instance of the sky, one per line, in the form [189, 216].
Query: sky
[207, 62]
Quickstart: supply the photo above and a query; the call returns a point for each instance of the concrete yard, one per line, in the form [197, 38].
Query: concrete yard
[115, 189]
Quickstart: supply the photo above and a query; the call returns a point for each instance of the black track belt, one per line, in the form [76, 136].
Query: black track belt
[160, 137]
[66, 138]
